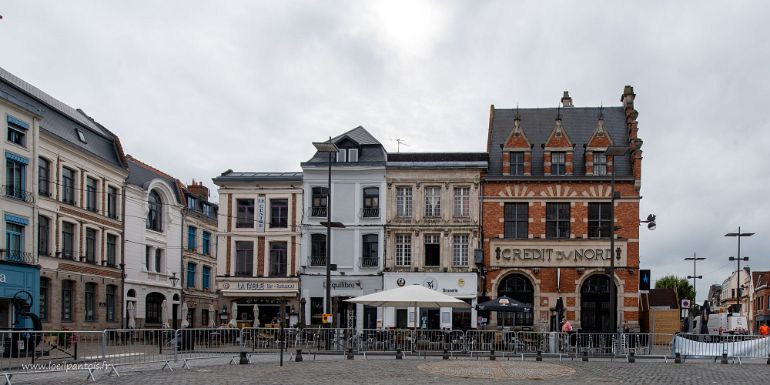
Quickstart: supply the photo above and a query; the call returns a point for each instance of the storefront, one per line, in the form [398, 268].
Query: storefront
[260, 299]
[20, 281]
[345, 314]
[459, 285]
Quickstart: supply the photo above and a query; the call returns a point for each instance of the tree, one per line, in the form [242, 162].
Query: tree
[682, 286]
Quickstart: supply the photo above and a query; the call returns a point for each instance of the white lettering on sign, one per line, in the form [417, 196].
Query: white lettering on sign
[345, 285]
[571, 254]
[261, 214]
[262, 286]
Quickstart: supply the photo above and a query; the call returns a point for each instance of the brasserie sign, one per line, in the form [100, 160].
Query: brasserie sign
[572, 254]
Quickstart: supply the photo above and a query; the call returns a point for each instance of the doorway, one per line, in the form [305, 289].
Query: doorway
[430, 319]
[595, 311]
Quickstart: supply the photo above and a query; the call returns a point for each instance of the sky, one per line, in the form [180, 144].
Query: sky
[198, 87]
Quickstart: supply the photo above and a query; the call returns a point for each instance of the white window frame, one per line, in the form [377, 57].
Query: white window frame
[433, 201]
[462, 201]
[460, 250]
[404, 202]
[403, 250]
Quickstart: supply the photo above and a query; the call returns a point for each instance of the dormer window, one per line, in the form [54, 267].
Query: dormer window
[558, 163]
[81, 136]
[517, 163]
[347, 155]
[190, 203]
[600, 163]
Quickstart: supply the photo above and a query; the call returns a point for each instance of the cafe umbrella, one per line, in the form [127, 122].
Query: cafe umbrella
[410, 296]
[503, 304]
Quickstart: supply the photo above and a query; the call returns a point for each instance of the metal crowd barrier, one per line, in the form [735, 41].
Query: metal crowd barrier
[726, 346]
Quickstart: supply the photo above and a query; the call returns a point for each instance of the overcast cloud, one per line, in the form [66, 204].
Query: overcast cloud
[195, 88]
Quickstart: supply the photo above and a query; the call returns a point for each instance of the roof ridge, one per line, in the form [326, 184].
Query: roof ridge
[150, 168]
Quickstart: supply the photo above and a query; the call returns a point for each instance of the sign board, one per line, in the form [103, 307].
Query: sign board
[562, 254]
[644, 279]
[685, 303]
[326, 318]
[261, 214]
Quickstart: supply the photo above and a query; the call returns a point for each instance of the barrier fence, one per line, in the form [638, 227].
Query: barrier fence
[114, 349]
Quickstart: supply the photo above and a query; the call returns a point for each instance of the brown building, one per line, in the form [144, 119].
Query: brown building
[761, 299]
[546, 213]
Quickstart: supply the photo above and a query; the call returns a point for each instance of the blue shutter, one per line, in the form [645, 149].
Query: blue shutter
[16, 122]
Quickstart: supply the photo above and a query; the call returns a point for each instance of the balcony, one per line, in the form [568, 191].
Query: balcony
[18, 256]
[318, 261]
[318, 211]
[370, 262]
[15, 192]
[370, 212]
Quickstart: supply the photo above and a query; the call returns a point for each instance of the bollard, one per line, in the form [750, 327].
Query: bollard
[768, 359]
[724, 358]
[492, 355]
[585, 356]
[677, 358]
[350, 353]
[298, 357]
[631, 358]
[539, 355]
[446, 356]
[399, 354]
[244, 359]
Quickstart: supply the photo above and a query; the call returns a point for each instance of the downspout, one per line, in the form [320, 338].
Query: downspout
[124, 308]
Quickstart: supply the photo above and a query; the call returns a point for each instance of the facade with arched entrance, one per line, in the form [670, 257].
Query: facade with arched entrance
[547, 214]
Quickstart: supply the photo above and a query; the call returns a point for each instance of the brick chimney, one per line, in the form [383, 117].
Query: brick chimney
[566, 100]
[198, 190]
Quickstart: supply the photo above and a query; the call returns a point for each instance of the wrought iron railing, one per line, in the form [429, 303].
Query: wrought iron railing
[370, 262]
[19, 193]
[318, 211]
[18, 256]
[318, 261]
[370, 212]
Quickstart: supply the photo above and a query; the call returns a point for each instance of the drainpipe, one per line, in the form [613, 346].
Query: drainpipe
[124, 308]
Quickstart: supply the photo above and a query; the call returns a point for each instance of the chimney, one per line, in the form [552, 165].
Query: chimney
[198, 190]
[628, 96]
[566, 100]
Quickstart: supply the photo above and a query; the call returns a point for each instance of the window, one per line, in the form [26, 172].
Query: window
[90, 245]
[110, 302]
[68, 185]
[516, 220]
[318, 204]
[245, 213]
[17, 131]
[279, 213]
[433, 201]
[90, 302]
[558, 162]
[342, 155]
[370, 256]
[206, 280]
[112, 250]
[90, 194]
[45, 292]
[154, 216]
[371, 202]
[81, 136]
[278, 259]
[460, 250]
[68, 240]
[462, 201]
[432, 244]
[191, 238]
[43, 177]
[206, 240]
[318, 250]
[158, 260]
[190, 275]
[112, 202]
[316, 310]
[67, 292]
[43, 235]
[14, 242]
[207, 210]
[191, 203]
[147, 257]
[152, 313]
[599, 220]
[347, 155]
[600, 163]
[557, 220]
[403, 249]
[404, 202]
[352, 155]
[15, 177]
[244, 258]
[517, 163]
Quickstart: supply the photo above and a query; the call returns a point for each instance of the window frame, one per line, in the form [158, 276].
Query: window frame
[403, 250]
[244, 256]
[91, 192]
[404, 201]
[67, 300]
[318, 249]
[599, 226]
[68, 185]
[43, 177]
[43, 235]
[206, 277]
[111, 251]
[45, 299]
[15, 179]
[516, 163]
[513, 218]
[155, 212]
[245, 210]
[434, 240]
[462, 202]
[278, 255]
[600, 163]
[556, 220]
[192, 238]
[112, 202]
[279, 213]
[110, 296]
[371, 202]
[432, 201]
[68, 247]
[370, 256]
[460, 250]
[319, 199]
[206, 243]
[14, 235]
[558, 163]
[90, 245]
[158, 260]
[190, 281]
[89, 302]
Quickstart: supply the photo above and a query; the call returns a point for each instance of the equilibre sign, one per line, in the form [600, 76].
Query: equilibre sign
[578, 253]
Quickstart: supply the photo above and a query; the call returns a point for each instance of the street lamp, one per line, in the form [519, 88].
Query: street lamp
[694, 260]
[174, 279]
[739, 234]
[651, 225]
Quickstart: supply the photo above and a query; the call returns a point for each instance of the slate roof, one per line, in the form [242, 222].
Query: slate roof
[663, 297]
[438, 160]
[140, 174]
[370, 152]
[241, 176]
[537, 123]
[61, 120]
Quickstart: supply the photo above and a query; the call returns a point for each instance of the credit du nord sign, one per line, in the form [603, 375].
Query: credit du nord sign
[575, 253]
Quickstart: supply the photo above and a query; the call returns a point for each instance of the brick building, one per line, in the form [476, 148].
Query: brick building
[760, 299]
[546, 211]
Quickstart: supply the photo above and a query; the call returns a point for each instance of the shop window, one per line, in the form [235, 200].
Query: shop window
[316, 310]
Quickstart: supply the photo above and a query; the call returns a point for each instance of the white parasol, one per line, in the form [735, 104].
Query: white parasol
[256, 316]
[233, 315]
[410, 296]
[211, 316]
[164, 314]
[131, 315]
[185, 323]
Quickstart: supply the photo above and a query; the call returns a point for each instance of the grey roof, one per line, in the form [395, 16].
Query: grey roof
[240, 176]
[437, 160]
[61, 120]
[370, 151]
[537, 123]
[140, 174]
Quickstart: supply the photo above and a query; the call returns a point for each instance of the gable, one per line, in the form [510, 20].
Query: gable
[558, 140]
[517, 139]
[600, 138]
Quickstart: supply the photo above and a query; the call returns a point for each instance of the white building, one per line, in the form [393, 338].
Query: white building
[153, 232]
[358, 202]
[729, 295]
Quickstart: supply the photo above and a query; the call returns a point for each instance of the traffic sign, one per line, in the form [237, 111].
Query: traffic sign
[644, 279]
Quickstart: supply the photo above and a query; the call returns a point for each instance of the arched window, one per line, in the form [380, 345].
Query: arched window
[520, 288]
[154, 217]
[153, 303]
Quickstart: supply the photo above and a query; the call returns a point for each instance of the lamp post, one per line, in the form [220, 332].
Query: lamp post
[694, 260]
[739, 234]
[123, 289]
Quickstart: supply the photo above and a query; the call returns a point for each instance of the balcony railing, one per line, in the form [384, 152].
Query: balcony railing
[16, 192]
[370, 262]
[318, 211]
[18, 256]
[318, 261]
[370, 212]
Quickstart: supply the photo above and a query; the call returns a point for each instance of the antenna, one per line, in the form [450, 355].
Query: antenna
[558, 111]
[399, 142]
[601, 111]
